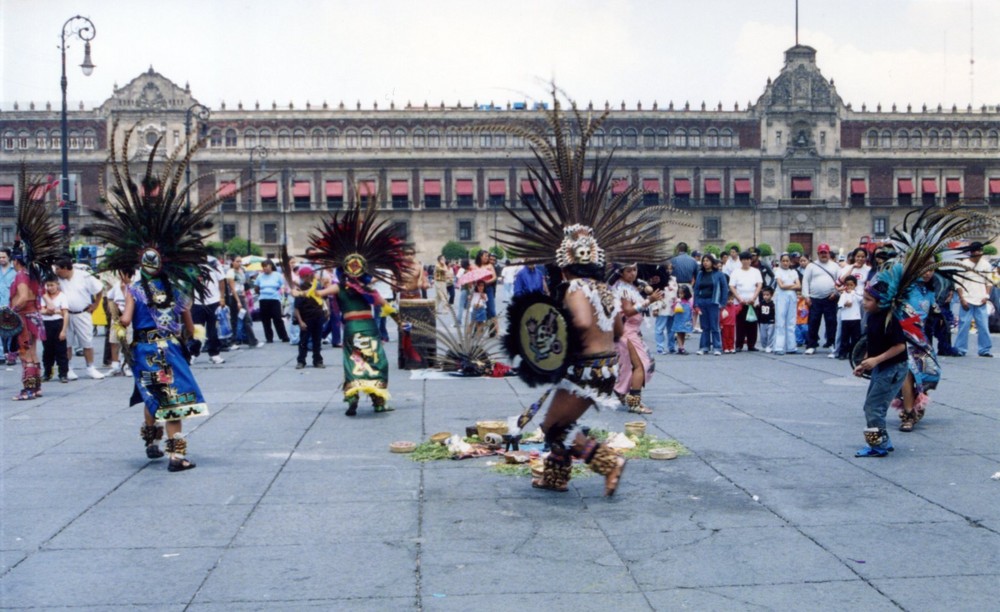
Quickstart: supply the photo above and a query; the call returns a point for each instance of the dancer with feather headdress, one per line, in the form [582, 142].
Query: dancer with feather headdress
[569, 339]
[37, 245]
[149, 229]
[362, 249]
[898, 301]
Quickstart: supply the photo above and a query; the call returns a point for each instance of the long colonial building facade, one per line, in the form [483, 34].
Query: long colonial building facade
[796, 166]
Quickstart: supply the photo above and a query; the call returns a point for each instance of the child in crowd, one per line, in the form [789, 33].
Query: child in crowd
[849, 306]
[682, 324]
[801, 320]
[765, 319]
[478, 306]
[55, 317]
[886, 360]
[309, 315]
[663, 310]
[728, 325]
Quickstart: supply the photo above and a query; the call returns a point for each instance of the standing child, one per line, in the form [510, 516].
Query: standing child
[55, 317]
[663, 310]
[478, 306]
[801, 320]
[728, 316]
[850, 317]
[886, 360]
[682, 324]
[765, 319]
[308, 314]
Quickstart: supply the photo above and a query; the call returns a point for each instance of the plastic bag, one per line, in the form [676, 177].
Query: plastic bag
[751, 314]
[224, 327]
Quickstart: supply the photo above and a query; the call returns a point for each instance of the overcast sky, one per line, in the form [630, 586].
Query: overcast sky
[902, 51]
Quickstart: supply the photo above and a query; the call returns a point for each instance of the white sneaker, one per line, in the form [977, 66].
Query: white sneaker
[258, 345]
[126, 371]
[832, 356]
[767, 350]
[217, 359]
[94, 373]
[71, 375]
[700, 353]
[234, 347]
[717, 353]
[810, 351]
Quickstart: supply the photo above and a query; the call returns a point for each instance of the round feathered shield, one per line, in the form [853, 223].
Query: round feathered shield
[538, 332]
[10, 323]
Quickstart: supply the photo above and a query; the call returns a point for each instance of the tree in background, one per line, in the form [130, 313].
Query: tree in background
[732, 245]
[453, 250]
[764, 249]
[795, 247]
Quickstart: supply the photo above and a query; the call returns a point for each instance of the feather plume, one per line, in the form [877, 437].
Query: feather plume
[39, 241]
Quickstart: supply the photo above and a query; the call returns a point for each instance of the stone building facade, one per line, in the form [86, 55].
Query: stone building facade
[797, 165]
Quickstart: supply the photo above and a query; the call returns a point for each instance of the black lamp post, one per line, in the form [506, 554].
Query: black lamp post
[203, 113]
[85, 31]
[261, 152]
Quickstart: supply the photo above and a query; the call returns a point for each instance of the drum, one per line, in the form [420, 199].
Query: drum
[418, 346]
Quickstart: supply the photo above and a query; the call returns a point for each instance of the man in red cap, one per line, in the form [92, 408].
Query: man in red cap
[819, 288]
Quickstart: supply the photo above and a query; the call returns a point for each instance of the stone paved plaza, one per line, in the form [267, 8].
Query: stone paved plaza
[295, 506]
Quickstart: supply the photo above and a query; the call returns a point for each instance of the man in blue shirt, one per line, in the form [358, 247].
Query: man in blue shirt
[530, 279]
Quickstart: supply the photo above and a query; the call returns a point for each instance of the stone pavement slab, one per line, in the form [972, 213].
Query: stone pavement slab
[294, 506]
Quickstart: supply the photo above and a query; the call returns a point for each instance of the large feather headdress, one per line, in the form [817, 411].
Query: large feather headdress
[360, 244]
[146, 221]
[39, 241]
[577, 219]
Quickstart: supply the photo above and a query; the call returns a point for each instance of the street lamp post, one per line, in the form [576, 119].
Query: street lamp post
[261, 152]
[85, 31]
[203, 113]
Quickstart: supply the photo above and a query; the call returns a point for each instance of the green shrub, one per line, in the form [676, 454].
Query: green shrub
[499, 252]
[239, 246]
[764, 249]
[795, 247]
[732, 245]
[453, 250]
[714, 250]
[989, 249]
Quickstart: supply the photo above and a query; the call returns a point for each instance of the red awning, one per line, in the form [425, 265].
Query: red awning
[432, 187]
[858, 187]
[366, 188]
[302, 189]
[994, 186]
[682, 186]
[463, 187]
[802, 184]
[928, 185]
[713, 186]
[528, 187]
[268, 189]
[619, 185]
[400, 188]
[227, 190]
[651, 185]
[335, 189]
[7, 193]
[498, 187]
[905, 186]
[741, 186]
[952, 186]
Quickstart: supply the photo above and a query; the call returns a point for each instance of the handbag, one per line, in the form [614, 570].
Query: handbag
[751, 314]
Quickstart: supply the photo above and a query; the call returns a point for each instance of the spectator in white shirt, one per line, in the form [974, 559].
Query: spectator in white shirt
[819, 288]
[745, 284]
[973, 295]
[83, 293]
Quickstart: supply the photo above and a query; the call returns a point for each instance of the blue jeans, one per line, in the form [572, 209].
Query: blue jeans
[766, 335]
[784, 321]
[661, 329]
[463, 304]
[711, 334]
[882, 389]
[965, 318]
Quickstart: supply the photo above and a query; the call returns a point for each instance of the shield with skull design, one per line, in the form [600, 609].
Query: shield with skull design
[538, 332]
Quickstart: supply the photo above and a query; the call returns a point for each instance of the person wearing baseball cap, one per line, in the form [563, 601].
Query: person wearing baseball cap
[819, 288]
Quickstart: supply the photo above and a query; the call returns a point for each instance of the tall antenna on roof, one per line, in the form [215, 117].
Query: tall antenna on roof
[797, 23]
[972, 57]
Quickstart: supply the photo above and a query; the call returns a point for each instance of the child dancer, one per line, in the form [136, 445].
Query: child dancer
[682, 324]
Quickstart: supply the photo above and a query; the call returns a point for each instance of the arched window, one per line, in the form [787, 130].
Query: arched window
[298, 138]
[976, 140]
[680, 138]
[932, 139]
[916, 139]
[317, 138]
[265, 137]
[250, 138]
[631, 138]
[215, 138]
[22, 139]
[399, 138]
[648, 138]
[711, 138]
[726, 139]
[384, 138]
[89, 139]
[419, 139]
[284, 138]
[598, 139]
[903, 139]
[9, 140]
[367, 137]
[351, 139]
[885, 140]
[616, 137]
[500, 140]
[946, 139]
[55, 139]
[230, 137]
[74, 139]
[993, 139]
[663, 138]
[872, 139]
[963, 139]
[41, 140]
[694, 139]
[466, 139]
[451, 138]
[332, 139]
[433, 139]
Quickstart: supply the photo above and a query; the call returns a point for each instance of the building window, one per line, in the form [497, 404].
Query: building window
[465, 233]
[994, 185]
[317, 139]
[41, 139]
[419, 139]
[976, 140]
[631, 138]
[963, 139]
[230, 138]
[228, 231]
[74, 139]
[916, 139]
[451, 139]
[334, 195]
[367, 136]
[268, 195]
[872, 139]
[250, 139]
[946, 139]
[648, 139]
[227, 193]
[801, 187]
[399, 138]
[713, 228]
[8, 141]
[518, 141]
[270, 232]
[694, 139]
[433, 139]
[384, 139]
[215, 138]
[597, 140]
[55, 140]
[400, 192]
[885, 140]
[993, 139]
[903, 139]
[298, 139]
[777, 139]
[712, 138]
[332, 139]
[466, 140]
[616, 138]
[486, 140]
[663, 139]
[351, 139]
[932, 139]
[681, 139]
[265, 138]
[284, 138]
[879, 225]
[822, 139]
[650, 198]
[500, 140]
[302, 194]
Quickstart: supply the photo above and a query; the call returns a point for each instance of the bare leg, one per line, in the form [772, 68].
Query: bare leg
[177, 448]
[908, 417]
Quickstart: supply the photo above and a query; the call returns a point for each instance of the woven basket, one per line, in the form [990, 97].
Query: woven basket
[402, 447]
[663, 453]
[635, 428]
[485, 427]
[440, 437]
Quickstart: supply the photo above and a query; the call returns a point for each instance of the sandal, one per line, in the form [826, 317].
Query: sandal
[870, 451]
[907, 423]
[25, 395]
[538, 484]
[640, 409]
[612, 480]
